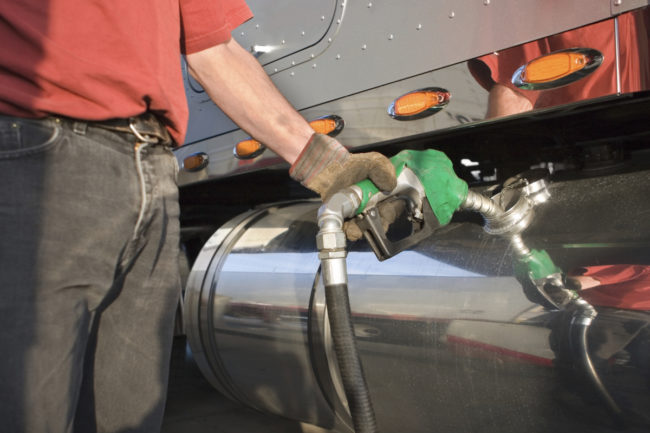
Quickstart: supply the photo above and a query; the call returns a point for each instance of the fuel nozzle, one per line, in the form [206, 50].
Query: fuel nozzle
[430, 190]
[420, 215]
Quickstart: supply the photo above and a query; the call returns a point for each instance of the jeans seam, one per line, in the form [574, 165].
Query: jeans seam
[145, 187]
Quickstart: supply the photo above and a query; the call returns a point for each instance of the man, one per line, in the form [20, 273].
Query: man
[91, 101]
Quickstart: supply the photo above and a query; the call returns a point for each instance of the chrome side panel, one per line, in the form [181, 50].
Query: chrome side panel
[366, 121]
[449, 337]
[352, 59]
[390, 41]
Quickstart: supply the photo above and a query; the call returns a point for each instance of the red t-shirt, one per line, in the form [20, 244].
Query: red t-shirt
[620, 286]
[98, 59]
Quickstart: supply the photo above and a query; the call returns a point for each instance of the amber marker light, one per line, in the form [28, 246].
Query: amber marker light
[195, 162]
[557, 69]
[554, 67]
[330, 125]
[419, 103]
[248, 149]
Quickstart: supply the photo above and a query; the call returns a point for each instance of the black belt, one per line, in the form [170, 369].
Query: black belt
[145, 127]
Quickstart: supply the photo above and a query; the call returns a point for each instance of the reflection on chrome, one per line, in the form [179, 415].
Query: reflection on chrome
[442, 327]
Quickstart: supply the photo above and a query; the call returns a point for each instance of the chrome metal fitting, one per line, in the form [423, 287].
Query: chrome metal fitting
[533, 183]
[341, 205]
[481, 204]
[334, 271]
[332, 254]
[519, 196]
[330, 240]
[514, 220]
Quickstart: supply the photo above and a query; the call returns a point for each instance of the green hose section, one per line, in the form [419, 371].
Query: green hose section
[444, 190]
[536, 265]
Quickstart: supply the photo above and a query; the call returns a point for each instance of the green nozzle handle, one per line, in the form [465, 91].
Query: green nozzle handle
[444, 190]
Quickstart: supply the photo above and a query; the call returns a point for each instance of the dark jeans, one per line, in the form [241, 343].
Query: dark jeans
[88, 280]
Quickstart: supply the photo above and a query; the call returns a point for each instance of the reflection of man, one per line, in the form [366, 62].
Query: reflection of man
[494, 71]
[618, 286]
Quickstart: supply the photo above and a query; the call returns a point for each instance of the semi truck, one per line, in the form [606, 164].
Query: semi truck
[542, 107]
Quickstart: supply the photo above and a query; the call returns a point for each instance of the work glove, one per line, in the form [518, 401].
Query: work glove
[326, 167]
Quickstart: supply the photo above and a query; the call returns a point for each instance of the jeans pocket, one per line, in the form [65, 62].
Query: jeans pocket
[21, 137]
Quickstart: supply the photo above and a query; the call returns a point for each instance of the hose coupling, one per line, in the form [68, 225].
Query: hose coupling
[330, 240]
[484, 205]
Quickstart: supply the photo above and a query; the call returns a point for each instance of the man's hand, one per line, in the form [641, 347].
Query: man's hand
[326, 167]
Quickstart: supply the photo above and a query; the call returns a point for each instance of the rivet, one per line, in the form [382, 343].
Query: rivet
[452, 14]
[618, 2]
[338, 21]
[338, 57]
[329, 40]
[364, 46]
[486, 2]
[292, 74]
[275, 69]
[314, 66]
[293, 63]
[391, 37]
[257, 26]
[419, 27]
[284, 42]
[312, 55]
[370, 4]
[322, 18]
[302, 33]
[242, 33]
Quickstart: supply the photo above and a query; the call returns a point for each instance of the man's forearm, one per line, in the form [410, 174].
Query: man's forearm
[239, 86]
[504, 101]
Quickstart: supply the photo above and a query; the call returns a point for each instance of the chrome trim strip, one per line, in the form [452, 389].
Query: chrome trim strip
[618, 56]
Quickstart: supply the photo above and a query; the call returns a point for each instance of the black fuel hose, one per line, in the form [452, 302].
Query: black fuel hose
[347, 355]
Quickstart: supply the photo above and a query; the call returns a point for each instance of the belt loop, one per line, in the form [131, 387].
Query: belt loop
[80, 128]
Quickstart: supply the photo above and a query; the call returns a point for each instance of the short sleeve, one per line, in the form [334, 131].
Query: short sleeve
[206, 23]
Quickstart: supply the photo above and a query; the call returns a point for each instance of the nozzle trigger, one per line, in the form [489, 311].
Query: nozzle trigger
[372, 227]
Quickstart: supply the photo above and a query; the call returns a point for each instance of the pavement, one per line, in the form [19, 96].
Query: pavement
[194, 406]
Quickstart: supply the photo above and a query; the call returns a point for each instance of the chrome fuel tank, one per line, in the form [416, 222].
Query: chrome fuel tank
[450, 339]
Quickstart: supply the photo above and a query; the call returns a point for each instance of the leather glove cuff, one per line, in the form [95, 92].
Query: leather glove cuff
[325, 166]
[320, 151]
